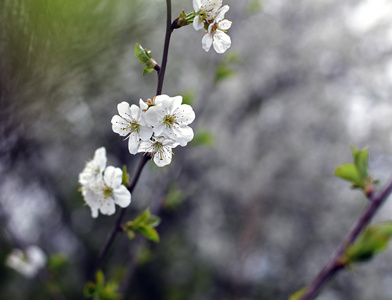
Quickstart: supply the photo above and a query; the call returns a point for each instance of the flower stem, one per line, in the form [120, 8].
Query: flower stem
[169, 30]
[335, 264]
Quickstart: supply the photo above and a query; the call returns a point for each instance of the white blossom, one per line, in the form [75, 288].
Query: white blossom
[28, 261]
[170, 118]
[205, 10]
[108, 192]
[93, 170]
[216, 35]
[160, 149]
[102, 188]
[130, 123]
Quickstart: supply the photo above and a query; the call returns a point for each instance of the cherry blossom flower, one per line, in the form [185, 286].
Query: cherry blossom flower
[205, 10]
[170, 118]
[216, 35]
[94, 168]
[107, 192]
[160, 149]
[28, 262]
[130, 123]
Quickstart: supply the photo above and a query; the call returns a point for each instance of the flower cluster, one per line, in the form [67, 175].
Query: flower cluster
[209, 14]
[157, 126]
[102, 186]
[28, 261]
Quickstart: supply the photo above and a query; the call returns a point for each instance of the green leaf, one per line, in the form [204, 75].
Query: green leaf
[298, 294]
[153, 221]
[142, 54]
[148, 232]
[361, 161]
[125, 176]
[373, 241]
[142, 218]
[100, 278]
[350, 173]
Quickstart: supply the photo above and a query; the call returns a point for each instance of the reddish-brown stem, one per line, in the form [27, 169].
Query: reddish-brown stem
[335, 264]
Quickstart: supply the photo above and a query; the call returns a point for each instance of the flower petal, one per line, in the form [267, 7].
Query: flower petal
[221, 13]
[222, 42]
[122, 196]
[196, 5]
[206, 42]
[108, 208]
[182, 135]
[119, 125]
[224, 24]
[185, 115]
[198, 23]
[133, 142]
[123, 109]
[113, 176]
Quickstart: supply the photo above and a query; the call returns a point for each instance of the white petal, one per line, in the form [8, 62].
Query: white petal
[222, 42]
[153, 115]
[224, 24]
[206, 42]
[135, 112]
[145, 146]
[185, 115]
[100, 157]
[108, 208]
[133, 142]
[143, 105]
[145, 132]
[123, 109]
[176, 102]
[221, 13]
[198, 23]
[122, 196]
[183, 135]
[212, 7]
[163, 158]
[113, 176]
[196, 5]
[119, 124]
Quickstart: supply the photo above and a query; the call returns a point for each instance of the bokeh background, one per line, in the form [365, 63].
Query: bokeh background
[251, 209]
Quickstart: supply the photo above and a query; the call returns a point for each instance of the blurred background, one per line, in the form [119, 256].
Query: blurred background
[251, 209]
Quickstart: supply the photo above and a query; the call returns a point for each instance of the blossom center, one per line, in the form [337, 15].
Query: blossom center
[108, 192]
[133, 127]
[169, 120]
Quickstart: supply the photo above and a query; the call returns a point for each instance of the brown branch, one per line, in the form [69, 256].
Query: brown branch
[336, 264]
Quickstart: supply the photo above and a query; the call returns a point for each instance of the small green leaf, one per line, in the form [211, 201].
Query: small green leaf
[142, 218]
[350, 173]
[153, 221]
[148, 232]
[298, 294]
[100, 278]
[373, 241]
[125, 176]
[142, 54]
[361, 161]
[56, 261]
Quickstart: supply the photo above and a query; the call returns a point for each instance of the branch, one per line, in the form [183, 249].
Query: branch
[335, 264]
[169, 30]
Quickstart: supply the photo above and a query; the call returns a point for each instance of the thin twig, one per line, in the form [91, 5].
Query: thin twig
[335, 264]
[169, 30]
